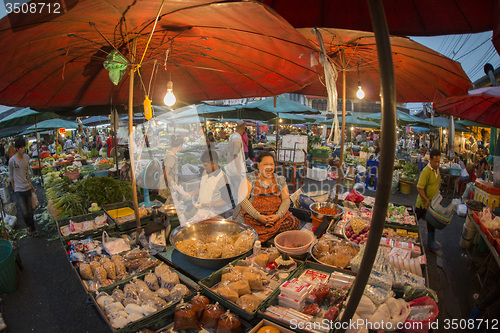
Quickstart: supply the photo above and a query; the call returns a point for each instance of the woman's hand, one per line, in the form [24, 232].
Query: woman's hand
[263, 219]
[273, 218]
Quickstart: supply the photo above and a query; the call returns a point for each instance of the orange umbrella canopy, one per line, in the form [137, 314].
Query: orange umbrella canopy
[422, 74]
[209, 50]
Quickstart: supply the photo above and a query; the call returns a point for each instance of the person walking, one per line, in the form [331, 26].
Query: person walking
[427, 188]
[20, 180]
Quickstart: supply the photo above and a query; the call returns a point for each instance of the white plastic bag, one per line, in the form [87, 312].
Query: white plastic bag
[462, 210]
[157, 241]
[114, 245]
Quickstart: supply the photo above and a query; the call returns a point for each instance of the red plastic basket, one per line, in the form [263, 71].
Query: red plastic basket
[415, 326]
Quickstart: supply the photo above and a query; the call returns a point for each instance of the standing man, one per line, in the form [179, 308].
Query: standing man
[20, 180]
[236, 167]
[2, 152]
[428, 187]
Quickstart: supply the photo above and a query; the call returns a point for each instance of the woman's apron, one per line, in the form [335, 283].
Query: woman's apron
[267, 202]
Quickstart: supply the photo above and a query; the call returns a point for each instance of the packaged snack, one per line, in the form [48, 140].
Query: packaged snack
[242, 287]
[152, 281]
[229, 323]
[100, 276]
[211, 315]
[185, 318]
[86, 272]
[248, 302]
[178, 292]
[199, 303]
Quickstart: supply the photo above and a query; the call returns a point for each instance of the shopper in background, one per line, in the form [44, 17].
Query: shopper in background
[20, 180]
[68, 145]
[110, 143]
[427, 188]
[2, 152]
[266, 201]
[236, 167]
[12, 150]
[244, 138]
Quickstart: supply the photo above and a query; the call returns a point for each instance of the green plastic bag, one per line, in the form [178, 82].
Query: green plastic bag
[116, 65]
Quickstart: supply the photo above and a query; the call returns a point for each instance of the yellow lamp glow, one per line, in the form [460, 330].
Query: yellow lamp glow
[170, 99]
[360, 93]
[281, 120]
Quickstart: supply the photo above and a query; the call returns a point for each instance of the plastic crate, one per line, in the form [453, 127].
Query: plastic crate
[101, 173]
[321, 153]
[210, 281]
[319, 166]
[273, 299]
[155, 320]
[82, 218]
[455, 172]
[129, 224]
[318, 174]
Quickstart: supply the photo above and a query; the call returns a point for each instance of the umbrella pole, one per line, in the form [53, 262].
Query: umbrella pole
[131, 142]
[115, 128]
[277, 127]
[341, 169]
[38, 147]
[387, 154]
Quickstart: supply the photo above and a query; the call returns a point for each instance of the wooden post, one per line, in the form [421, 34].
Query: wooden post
[131, 138]
[342, 135]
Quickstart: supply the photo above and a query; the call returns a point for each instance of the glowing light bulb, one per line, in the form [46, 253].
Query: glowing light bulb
[281, 120]
[360, 93]
[444, 132]
[170, 99]
[352, 128]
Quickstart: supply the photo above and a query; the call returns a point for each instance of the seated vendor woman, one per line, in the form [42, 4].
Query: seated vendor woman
[265, 206]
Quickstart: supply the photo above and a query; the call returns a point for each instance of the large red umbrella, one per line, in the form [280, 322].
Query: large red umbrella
[404, 17]
[209, 50]
[480, 105]
[422, 74]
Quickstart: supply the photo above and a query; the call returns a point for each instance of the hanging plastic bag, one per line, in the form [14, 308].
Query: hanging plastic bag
[34, 201]
[114, 245]
[157, 242]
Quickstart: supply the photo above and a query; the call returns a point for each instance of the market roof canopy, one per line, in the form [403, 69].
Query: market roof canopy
[290, 118]
[355, 121]
[283, 105]
[210, 50]
[25, 117]
[421, 74]
[404, 17]
[53, 124]
[480, 105]
[445, 123]
[95, 120]
[401, 117]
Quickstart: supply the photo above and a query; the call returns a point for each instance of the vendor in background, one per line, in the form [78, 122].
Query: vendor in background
[427, 188]
[171, 163]
[110, 143]
[244, 138]
[125, 172]
[266, 201]
[20, 180]
[12, 150]
[214, 194]
[68, 145]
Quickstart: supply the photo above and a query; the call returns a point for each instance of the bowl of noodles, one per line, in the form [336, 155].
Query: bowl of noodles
[213, 243]
[332, 211]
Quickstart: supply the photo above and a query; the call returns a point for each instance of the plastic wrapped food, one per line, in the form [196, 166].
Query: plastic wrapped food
[248, 302]
[332, 314]
[229, 323]
[321, 248]
[211, 316]
[156, 302]
[94, 265]
[163, 293]
[311, 309]
[228, 293]
[139, 264]
[320, 293]
[114, 307]
[242, 287]
[118, 295]
[104, 299]
[199, 303]
[130, 290]
[134, 317]
[100, 276]
[86, 272]
[168, 280]
[231, 277]
[120, 268]
[412, 292]
[148, 309]
[117, 321]
[254, 280]
[133, 308]
[104, 260]
[273, 254]
[160, 269]
[152, 281]
[185, 318]
[262, 259]
[178, 292]
[110, 269]
[244, 242]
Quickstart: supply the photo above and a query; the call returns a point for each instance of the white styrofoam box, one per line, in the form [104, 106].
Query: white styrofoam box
[316, 174]
[288, 155]
[294, 141]
[4, 194]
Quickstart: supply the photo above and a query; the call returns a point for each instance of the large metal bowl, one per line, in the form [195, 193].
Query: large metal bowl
[318, 205]
[209, 227]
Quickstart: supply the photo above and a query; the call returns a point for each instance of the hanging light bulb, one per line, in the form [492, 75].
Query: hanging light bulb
[360, 93]
[352, 128]
[170, 99]
[281, 120]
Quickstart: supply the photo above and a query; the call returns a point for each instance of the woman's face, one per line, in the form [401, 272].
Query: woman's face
[266, 167]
